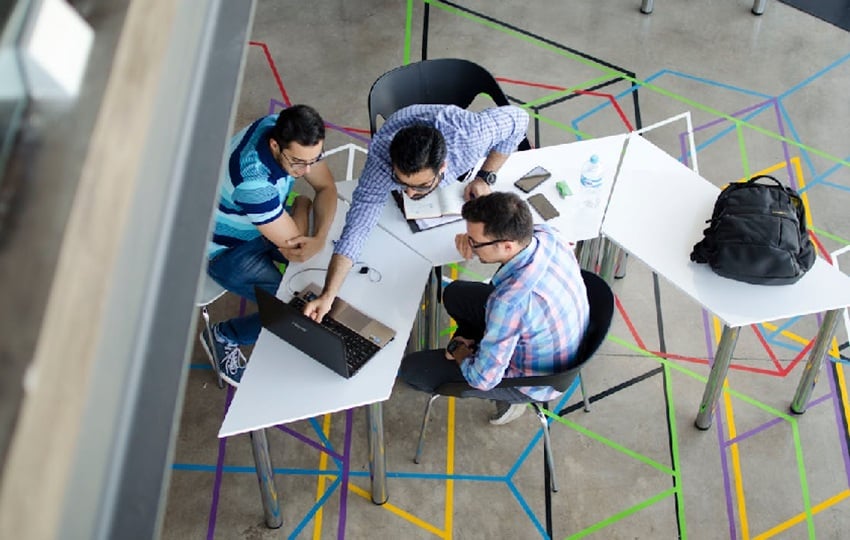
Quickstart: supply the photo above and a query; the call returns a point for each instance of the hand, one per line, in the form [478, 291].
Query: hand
[318, 308]
[459, 348]
[463, 247]
[302, 248]
[476, 188]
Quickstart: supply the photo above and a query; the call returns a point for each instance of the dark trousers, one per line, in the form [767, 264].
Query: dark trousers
[427, 370]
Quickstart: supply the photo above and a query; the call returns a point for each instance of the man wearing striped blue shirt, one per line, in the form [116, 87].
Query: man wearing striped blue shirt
[528, 321]
[421, 148]
[255, 229]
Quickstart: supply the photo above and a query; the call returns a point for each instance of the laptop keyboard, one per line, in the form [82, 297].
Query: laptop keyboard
[357, 348]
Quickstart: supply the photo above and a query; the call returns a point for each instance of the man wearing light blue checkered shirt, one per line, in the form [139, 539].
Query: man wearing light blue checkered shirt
[421, 148]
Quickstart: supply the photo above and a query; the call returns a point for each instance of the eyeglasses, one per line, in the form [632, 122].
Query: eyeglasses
[300, 165]
[424, 188]
[476, 245]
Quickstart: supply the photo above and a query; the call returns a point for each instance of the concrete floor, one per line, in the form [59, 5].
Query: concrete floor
[634, 467]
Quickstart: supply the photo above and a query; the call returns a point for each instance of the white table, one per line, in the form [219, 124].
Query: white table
[576, 222]
[282, 384]
[564, 161]
[657, 213]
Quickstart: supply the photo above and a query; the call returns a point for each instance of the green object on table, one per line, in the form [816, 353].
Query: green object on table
[563, 188]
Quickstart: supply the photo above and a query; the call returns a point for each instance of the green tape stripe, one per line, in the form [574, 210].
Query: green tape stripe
[795, 433]
[534, 41]
[408, 30]
[461, 270]
[620, 515]
[831, 236]
[674, 452]
[642, 84]
[804, 483]
[608, 442]
[697, 376]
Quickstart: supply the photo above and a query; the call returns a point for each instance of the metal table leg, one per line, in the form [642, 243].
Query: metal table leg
[646, 6]
[433, 309]
[758, 6]
[265, 476]
[377, 453]
[814, 363]
[716, 377]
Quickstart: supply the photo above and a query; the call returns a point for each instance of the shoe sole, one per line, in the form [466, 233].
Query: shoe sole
[509, 416]
[210, 357]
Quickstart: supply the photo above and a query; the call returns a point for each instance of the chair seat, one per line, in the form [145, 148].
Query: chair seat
[210, 292]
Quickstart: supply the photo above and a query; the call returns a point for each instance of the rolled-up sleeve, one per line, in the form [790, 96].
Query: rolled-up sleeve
[367, 203]
[509, 125]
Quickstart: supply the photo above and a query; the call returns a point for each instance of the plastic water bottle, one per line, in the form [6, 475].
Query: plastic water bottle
[591, 182]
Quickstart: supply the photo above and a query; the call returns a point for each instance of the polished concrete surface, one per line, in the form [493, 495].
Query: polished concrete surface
[764, 93]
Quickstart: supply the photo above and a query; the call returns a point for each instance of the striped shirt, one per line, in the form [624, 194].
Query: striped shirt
[253, 191]
[469, 137]
[535, 317]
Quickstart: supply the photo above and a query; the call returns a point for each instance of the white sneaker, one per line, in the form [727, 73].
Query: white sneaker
[507, 412]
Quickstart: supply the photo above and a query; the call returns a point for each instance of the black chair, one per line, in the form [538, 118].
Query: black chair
[601, 301]
[445, 81]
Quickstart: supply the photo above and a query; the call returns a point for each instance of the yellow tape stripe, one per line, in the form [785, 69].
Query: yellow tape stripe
[799, 518]
[398, 511]
[733, 449]
[321, 480]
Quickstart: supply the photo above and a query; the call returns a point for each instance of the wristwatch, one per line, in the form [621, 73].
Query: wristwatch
[489, 177]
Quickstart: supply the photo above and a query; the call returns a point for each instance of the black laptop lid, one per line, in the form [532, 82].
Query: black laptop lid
[302, 332]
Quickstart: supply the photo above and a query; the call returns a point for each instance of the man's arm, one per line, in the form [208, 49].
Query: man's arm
[486, 368]
[506, 127]
[337, 271]
[303, 246]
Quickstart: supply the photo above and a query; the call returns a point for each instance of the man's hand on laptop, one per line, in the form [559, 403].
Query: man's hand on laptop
[302, 248]
[318, 308]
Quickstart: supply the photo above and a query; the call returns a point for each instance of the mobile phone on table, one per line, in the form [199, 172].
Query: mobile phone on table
[543, 207]
[532, 179]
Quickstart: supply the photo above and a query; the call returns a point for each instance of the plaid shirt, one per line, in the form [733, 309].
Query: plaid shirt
[535, 317]
[469, 137]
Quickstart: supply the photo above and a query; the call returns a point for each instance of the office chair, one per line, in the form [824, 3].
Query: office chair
[446, 81]
[601, 301]
[209, 293]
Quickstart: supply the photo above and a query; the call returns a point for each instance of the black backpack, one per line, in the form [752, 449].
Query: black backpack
[757, 234]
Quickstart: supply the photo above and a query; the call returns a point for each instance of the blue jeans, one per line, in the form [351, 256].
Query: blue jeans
[238, 270]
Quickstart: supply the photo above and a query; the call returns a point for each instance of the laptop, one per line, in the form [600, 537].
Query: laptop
[344, 341]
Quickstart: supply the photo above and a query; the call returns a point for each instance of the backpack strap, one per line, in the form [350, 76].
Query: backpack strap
[754, 179]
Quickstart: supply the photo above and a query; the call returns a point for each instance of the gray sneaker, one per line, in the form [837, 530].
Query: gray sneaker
[507, 412]
[231, 361]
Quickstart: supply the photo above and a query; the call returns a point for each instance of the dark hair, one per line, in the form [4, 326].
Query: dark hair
[504, 215]
[298, 123]
[415, 148]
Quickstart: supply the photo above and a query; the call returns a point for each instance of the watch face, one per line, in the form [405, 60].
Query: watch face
[488, 176]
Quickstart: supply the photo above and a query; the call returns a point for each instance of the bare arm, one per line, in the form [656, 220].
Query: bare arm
[304, 246]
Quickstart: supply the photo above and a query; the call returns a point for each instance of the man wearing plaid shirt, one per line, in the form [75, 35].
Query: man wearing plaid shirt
[420, 148]
[528, 321]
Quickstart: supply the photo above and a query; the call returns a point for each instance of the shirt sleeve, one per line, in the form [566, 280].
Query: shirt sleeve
[367, 203]
[507, 126]
[258, 198]
[486, 368]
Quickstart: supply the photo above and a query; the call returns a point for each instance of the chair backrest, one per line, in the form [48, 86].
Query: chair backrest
[442, 81]
[601, 301]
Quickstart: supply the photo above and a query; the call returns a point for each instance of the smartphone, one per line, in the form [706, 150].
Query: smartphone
[540, 203]
[532, 179]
